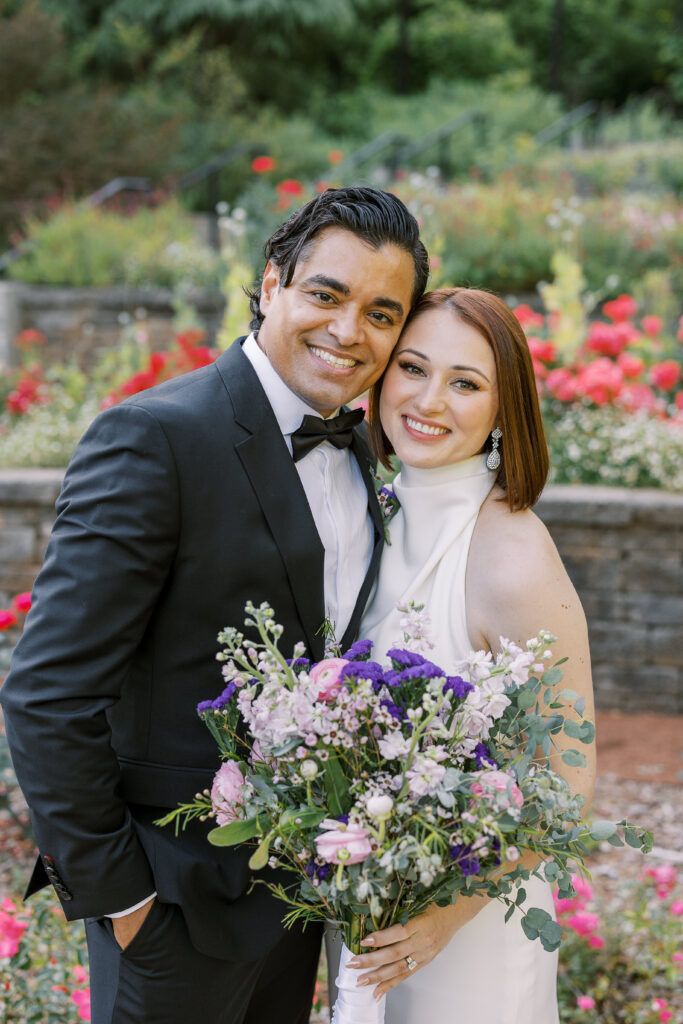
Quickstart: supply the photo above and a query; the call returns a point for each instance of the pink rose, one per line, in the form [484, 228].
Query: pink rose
[583, 922]
[227, 793]
[677, 907]
[582, 888]
[11, 932]
[352, 838]
[80, 974]
[81, 997]
[596, 941]
[652, 325]
[327, 677]
[585, 1002]
[665, 375]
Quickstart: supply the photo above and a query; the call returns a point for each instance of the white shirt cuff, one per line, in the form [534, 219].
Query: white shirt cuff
[124, 913]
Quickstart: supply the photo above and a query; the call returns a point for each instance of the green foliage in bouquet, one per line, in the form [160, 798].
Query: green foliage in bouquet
[384, 789]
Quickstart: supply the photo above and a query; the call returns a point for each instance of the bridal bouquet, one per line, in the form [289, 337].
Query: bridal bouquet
[385, 787]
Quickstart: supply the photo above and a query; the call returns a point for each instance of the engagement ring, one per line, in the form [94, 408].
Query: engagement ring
[412, 964]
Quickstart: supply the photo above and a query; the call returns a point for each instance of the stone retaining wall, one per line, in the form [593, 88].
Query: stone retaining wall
[81, 323]
[623, 550]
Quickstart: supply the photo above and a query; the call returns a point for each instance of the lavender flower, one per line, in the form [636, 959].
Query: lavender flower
[298, 663]
[458, 687]
[363, 670]
[204, 705]
[394, 710]
[405, 658]
[358, 651]
[319, 871]
[425, 670]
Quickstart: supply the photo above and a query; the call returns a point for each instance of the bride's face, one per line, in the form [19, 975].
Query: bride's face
[439, 398]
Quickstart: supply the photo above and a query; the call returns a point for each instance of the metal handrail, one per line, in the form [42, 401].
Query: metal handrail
[115, 186]
[567, 122]
[217, 163]
[441, 134]
[387, 140]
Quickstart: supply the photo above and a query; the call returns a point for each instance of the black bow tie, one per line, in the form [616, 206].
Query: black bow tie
[338, 430]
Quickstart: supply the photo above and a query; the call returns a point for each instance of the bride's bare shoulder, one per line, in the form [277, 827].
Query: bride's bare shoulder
[511, 551]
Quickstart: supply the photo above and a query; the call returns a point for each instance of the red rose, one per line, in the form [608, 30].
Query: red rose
[527, 317]
[7, 618]
[289, 187]
[262, 164]
[622, 308]
[22, 602]
[335, 156]
[630, 365]
[665, 375]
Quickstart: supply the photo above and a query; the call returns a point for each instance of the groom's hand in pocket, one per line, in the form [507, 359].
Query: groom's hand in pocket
[126, 928]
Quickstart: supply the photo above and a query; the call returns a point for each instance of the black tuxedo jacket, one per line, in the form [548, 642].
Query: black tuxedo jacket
[178, 506]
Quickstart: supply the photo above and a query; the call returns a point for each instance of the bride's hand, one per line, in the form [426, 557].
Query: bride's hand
[421, 938]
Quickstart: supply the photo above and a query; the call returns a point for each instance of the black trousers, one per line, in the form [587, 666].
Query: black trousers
[160, 978]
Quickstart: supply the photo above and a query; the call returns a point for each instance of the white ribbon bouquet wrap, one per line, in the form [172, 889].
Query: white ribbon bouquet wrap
[356, 1004]
[386, 787]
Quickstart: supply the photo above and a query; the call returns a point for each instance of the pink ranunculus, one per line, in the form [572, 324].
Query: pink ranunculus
[677, 907]
[652, 325]
[11, 931]
[596, 941]
[583, 922]
[665, 375]
[338, 837]
[326, 675]
[621, 308]
[81, 997]
[585, 1002]
[500, 782]
[227, 793]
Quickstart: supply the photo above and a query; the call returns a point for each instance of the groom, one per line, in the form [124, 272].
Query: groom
[238, 481]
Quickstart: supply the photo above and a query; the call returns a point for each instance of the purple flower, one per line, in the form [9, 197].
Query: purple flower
[298, 663]
[344, 818]
[359, 651]
[204, 705]
[482, 756]
[221, 701]
[394, 710]
[458, 687]
[465, 859]
[363, 670]
[405, 658]
[314, 870]
[425, 670]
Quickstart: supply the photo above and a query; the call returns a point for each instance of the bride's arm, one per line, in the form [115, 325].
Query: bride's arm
[516, 586]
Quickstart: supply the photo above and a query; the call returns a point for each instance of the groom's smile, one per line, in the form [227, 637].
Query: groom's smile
[329, 333]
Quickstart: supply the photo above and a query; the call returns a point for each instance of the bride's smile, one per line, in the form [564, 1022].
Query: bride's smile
[439, 398]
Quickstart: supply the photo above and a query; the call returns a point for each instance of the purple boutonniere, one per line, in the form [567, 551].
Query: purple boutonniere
[388, 502]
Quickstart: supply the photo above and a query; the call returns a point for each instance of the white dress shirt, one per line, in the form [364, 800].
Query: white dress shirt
[337, 498]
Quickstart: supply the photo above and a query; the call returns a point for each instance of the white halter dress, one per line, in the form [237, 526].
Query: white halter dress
[489, 973]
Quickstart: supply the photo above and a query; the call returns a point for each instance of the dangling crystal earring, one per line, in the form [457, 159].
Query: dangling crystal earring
[493, 460]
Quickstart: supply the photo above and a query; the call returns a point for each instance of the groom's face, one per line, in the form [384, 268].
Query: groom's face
[329, 333]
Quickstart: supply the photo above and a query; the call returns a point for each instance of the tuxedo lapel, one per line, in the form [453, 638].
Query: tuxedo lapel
[276, 483]
[365, 461]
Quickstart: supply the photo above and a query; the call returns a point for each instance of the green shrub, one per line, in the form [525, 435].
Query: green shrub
[85, 246]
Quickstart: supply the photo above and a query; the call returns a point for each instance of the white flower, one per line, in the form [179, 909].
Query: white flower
[379, 806]
[394, 745]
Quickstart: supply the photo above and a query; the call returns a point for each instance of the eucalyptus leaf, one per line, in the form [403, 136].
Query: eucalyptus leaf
[552, 676]
[521, 896]
[580, 705]
[602, 829]
[301, 817]
[235, 832]
[574, 758]
[568, 694]
[526, 698]
[336, 788]
[509, 912]
[551, 936]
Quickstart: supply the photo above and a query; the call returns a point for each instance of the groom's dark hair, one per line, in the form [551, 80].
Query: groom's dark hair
[378, 218]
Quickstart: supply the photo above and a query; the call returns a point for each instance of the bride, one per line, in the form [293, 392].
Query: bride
[458, 406]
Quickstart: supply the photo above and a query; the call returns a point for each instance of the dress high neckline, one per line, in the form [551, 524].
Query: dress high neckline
[415, 476]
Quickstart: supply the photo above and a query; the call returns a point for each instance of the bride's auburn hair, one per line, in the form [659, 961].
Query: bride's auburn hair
[524, 461]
